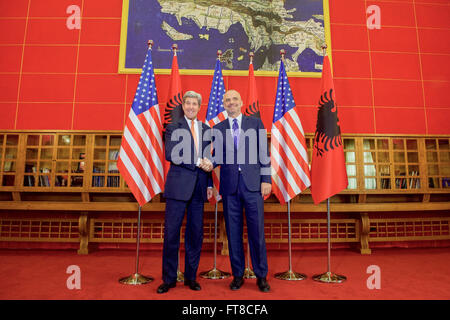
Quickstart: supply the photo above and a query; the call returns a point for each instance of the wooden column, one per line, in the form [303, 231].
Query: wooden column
[83, 228]
[364, 234]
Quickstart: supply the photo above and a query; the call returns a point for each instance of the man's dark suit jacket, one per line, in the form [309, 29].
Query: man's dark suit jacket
[183, 172]
[251, 172]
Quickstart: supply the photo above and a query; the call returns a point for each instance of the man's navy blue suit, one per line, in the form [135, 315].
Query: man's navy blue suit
[185, 189]
[240, 187]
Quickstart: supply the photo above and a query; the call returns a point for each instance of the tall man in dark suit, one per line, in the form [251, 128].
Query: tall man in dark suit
[240, 146]
[185, 189]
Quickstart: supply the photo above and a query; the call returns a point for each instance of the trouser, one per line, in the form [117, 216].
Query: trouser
[253, 204]
[175, 210]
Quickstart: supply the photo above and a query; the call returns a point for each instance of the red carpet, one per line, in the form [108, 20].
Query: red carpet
[405, 274]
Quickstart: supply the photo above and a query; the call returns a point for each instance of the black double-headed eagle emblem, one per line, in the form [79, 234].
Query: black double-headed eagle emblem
[328, 131]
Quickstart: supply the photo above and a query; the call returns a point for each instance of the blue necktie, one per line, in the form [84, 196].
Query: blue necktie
[235, 133]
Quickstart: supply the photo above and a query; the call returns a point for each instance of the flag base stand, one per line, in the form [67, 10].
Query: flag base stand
[136, 279]
[290, 275]
[214, 274]
[329, 277]
[249, 274]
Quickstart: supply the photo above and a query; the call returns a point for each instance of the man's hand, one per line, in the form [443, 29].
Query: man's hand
[206, 165]
[265, 189]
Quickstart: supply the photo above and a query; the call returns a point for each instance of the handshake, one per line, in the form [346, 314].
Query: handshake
[206, 165]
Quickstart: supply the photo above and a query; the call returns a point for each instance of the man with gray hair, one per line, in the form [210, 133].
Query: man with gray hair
[186, 189]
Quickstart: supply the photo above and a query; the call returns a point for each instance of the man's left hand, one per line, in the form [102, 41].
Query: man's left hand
[265, 189]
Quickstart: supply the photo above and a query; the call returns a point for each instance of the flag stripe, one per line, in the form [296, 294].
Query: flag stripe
[293, 153]
[296, 126]
[147, 164]
[154, 120]
[143, 142]
[279, 181]
[134, 180]
[290, 174]
[135, 169]
[144, 158]
[141, 152]
[281, 168]
[142, 186]
[276, 190]
[292, 169]
[220, 117]
[278, 165]
[289, 141]
[154, 138]
[134, 188]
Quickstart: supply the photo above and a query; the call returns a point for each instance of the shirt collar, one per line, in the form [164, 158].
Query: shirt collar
[238, 118]
[189, 121]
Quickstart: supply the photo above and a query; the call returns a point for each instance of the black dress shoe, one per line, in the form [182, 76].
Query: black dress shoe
[193, 285]
[164, 287]
[263, 285]
[237, 283]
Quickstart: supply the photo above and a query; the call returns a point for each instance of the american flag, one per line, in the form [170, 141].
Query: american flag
[215, 114]
[141, 152]
[289, 159]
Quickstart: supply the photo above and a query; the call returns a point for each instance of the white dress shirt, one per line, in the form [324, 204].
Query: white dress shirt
[197, 132]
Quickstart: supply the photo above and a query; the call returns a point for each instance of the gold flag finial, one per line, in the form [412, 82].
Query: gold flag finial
[174, 49]
[251, 55]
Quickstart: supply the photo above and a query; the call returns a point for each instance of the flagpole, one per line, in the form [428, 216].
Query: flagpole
[248, 272]
[180, 275]
[329, 277]
[290, 275]
[215, 236]
[137, 278]
[214, 273]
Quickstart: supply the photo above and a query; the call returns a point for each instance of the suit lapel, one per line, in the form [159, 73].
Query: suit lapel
[183, 123]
